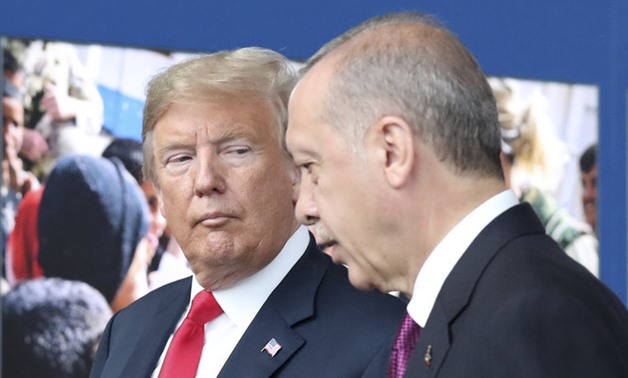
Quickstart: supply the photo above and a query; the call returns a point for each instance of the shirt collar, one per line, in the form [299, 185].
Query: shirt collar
[242, 301]
[445, 256]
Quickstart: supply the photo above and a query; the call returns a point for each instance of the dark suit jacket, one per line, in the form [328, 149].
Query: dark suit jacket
[326, 328]
[516, 305]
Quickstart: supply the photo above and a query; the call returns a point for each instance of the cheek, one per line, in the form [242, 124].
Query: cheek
[269, 199]
[336, 195]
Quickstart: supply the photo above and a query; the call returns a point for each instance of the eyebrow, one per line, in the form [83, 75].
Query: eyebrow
[225, 136]
[232, 134]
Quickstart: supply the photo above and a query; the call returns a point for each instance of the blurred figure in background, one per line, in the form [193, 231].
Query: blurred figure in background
[525, 160]
[588, 175]
[13, 74]
[129, 152]
[51, 328]
[60, 98]
[34, 146]
[16, 181]
[23, 243]
[92, 226]
[168, 263]
[542, 157]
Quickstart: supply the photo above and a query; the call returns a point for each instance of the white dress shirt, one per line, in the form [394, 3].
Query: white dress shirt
[445, 256]
[240, 303]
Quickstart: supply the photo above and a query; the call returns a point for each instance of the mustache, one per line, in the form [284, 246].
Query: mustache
[322, 236]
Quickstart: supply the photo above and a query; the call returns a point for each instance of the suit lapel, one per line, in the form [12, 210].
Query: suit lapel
[432, 346]
[144, 355]
[290, 303]
[456, 292]
[249, 359]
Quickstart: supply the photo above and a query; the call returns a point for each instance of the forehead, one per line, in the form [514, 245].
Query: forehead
[254, 115]
[306, 108]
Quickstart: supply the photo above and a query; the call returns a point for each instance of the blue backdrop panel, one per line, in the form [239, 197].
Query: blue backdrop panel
[560, 40]
[123, 114]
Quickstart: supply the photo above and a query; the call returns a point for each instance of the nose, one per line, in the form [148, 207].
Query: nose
[210, 176]
[305, 209]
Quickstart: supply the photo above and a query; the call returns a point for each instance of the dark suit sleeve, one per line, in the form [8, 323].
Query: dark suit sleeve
[378, 365]
[553, 336]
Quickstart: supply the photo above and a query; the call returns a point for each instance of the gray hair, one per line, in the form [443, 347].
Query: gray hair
[407, 65]
[252, 71]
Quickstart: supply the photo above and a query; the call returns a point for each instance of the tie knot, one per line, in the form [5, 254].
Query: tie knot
[204, 308]
[407, 337]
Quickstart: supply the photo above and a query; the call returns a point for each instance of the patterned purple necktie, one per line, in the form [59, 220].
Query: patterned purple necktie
[402, 348]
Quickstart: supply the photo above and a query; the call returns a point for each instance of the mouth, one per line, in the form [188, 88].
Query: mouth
[325, 244]
[324, 239]
[589, 207]
[214, 219]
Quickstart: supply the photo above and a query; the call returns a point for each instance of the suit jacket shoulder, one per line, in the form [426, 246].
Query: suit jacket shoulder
[517, 305]
[136, 335]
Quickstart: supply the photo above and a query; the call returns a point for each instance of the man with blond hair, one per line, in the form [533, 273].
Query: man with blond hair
[275, 304]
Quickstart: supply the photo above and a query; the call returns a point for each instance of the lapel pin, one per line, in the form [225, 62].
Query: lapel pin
[271, 347]
[428, 356]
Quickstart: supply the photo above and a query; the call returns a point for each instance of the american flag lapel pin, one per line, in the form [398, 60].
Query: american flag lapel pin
[271, 347]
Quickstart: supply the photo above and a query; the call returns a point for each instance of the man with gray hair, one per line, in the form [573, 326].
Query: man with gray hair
[263, 300]
[395, 129]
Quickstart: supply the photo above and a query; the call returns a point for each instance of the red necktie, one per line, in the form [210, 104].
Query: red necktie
[402, 348]
[185, 348]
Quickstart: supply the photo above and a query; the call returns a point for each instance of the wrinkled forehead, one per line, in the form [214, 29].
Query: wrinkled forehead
[311, 90]
[301, 115]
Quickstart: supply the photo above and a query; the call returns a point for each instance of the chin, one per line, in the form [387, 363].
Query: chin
[359, 282]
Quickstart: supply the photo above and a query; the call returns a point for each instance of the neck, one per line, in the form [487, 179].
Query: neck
[444, 206]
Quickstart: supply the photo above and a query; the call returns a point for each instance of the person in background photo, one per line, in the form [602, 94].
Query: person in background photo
[51, 328]
[396, 132]
[61, 101]
[23, 244]
[17, 182]
[168, 263]
[92, 227]
[588, 176]
[519, 128]
[275, 304]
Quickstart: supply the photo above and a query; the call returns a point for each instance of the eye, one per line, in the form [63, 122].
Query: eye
[306, 168]
[178, 159]
[310, 170]
[153, 203]
[236, 150]
[239, 150]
